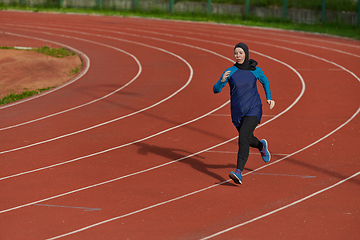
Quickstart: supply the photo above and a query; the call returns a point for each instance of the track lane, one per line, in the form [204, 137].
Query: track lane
[167, 211]
[157, 91]
[85, 68]
[139, 235]
[200, 210]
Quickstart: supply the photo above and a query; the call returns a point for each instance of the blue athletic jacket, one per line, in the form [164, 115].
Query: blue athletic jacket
[244, 96]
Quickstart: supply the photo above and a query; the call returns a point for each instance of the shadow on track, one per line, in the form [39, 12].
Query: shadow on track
[181, 156]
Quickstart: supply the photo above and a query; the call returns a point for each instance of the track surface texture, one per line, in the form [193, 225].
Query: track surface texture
[137, 146]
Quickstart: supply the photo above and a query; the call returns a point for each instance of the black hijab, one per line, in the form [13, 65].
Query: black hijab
[247, 64]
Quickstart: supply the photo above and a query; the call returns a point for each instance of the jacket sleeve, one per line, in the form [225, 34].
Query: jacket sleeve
[219, 85]
[264, 81]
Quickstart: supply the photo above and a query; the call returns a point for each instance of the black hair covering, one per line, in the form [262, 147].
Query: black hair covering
[247, 64]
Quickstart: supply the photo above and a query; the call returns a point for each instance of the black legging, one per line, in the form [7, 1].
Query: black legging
[246, 139]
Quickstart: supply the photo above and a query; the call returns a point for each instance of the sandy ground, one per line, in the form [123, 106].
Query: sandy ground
[20, 69]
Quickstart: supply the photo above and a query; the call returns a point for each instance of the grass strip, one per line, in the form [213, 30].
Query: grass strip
[12, 97]
[54, 52]
[4, 47]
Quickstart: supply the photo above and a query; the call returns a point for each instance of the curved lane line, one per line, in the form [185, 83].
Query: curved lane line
[158, 166]
[224, 44]
[242, 34]
[201, 190]
[215, 185]
[114, 38]
[119, 118]
[225, 181]
[275, 31]
[277, 210]
[315, 143]
[82, 73]
[236, 137]
[117, 147]
[88, 103]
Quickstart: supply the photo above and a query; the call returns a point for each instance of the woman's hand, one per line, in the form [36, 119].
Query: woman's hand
[225, 76]
[272, 103]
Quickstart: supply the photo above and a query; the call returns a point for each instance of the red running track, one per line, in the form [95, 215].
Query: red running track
[138, 147]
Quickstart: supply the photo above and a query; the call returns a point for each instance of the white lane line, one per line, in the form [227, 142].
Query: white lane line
[232, 27]
[275, 154]
[281, 47]
[215, 185]
[282, 208]
[206, 50]
[221, 36]
[221, 33]
[319, 40]
[313, 56]
[287, 109]
[271, 45]
[228, 115]
[87, 67]
[107, 150]
[115, 179]
[285, 175]
[221, 115]
[23, 48]
[280, 114]
[119, 118]
[148, 208]
[114, 148]
[136, 173]
[146, 170]
[81, 74]
[217, 54]
[261, 53]
[114, 38]
[277, 33]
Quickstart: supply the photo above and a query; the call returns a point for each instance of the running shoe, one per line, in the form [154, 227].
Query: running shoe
[236, 176]
[265, 154]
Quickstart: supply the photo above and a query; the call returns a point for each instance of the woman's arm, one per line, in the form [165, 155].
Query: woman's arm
[266, 85]
[222, 82]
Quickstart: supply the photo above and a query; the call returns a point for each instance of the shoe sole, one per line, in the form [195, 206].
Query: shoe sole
[267, 151]
[235, 178]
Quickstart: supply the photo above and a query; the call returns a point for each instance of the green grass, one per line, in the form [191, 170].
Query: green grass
[4, 47]
[335, 5]
[54, 52]
[12, 97]
[337, 29]
[75, 71]
[333, 28]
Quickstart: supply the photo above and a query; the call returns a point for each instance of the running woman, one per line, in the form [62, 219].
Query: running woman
[246, 106]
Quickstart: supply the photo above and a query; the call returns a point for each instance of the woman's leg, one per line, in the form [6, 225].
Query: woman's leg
[254, 142]
[247, 139]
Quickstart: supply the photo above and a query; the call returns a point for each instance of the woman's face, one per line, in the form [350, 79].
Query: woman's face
[239, 55]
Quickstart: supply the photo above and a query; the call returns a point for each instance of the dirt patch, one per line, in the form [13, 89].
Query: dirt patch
[20, 69]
